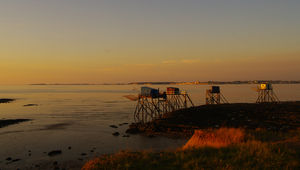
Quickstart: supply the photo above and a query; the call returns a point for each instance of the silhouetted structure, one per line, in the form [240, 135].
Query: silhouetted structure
[152, 104]
[214, 96]
[266, 94]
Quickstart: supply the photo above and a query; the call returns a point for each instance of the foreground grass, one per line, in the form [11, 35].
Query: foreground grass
[261, 150]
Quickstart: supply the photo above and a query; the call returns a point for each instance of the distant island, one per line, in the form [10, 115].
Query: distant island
[182, 83]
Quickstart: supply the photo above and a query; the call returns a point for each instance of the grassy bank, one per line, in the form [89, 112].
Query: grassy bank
[229, 136]
[260, 149]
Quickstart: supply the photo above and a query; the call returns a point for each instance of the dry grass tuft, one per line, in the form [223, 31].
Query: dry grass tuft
[92, 164]
[215, 138]
[225, 148]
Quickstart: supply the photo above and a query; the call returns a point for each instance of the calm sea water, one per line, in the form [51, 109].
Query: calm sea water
[80, 116]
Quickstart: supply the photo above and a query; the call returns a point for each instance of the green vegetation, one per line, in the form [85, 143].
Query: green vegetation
[261, 149]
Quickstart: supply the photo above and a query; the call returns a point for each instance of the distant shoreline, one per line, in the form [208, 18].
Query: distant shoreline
[177, 83]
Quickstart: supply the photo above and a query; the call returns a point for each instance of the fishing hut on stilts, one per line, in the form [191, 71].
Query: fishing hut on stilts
[214, 96]
[153, 105]
[266, 94]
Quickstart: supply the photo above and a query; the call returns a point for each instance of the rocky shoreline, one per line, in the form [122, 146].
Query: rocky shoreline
[282, 116]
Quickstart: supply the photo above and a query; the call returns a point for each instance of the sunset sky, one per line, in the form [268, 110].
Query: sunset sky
[109, 41]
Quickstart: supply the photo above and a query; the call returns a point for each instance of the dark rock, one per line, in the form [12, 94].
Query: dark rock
[91, 151]
[113, 126]
[133, 129]
[15, 160]
[55, 163]
[151, 136]
[7, 122]
[6, 100]
[116, 134]
[83, 154]
[28, 105]
[126, 136]
[69, 147]
[55, 153]
[123, 124]
[9, 159]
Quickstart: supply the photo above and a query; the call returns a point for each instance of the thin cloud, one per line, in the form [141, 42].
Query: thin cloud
[185, 61]
[190, 61]
[170, 62]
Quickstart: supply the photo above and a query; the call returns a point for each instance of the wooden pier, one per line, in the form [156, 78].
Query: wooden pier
[154, 105]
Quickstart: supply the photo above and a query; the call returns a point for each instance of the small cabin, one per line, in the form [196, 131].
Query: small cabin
[266, 86]
[215, 89]
[173, 90]
[149, 92]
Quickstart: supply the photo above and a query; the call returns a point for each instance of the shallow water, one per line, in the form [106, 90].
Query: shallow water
[80, 116]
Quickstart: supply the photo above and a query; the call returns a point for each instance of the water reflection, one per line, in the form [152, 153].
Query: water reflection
[80, 117]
